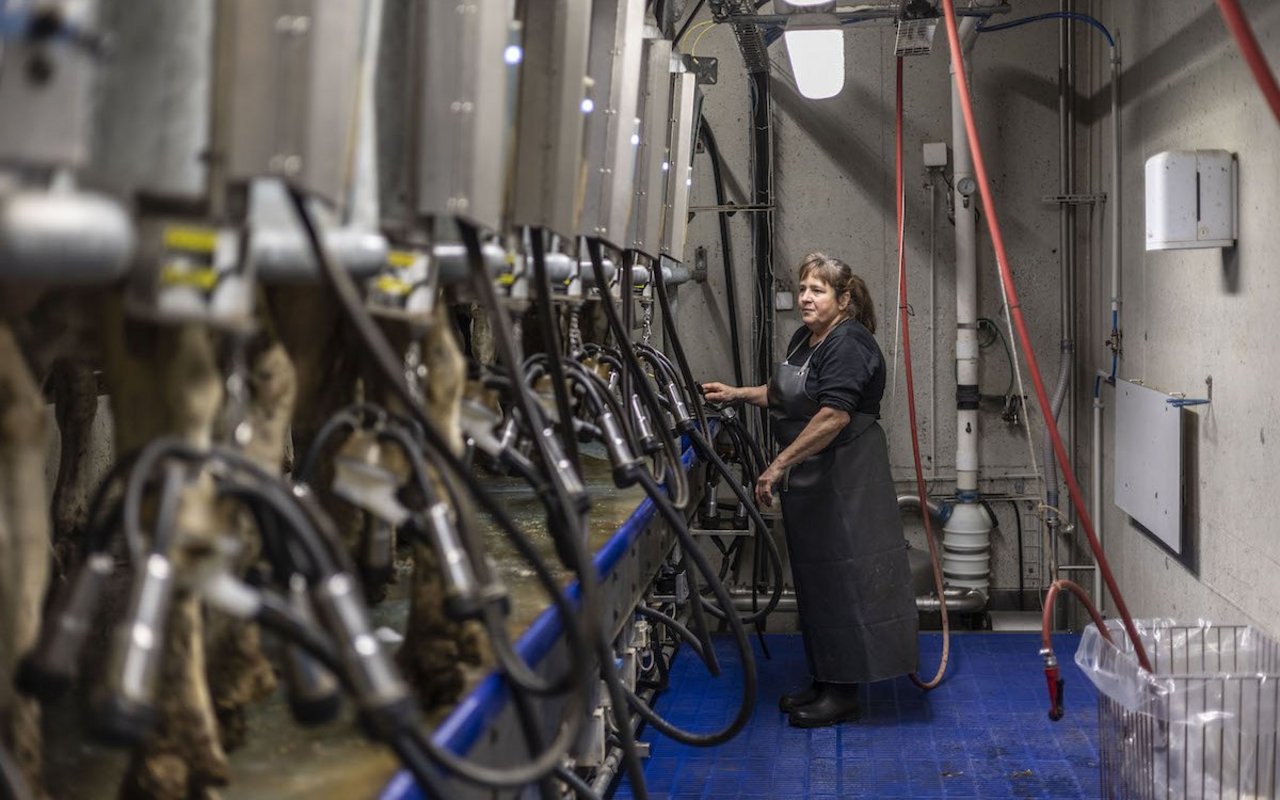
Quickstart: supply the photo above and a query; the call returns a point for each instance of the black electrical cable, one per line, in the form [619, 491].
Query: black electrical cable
[688, 21]
[761, 227]
[712, 147]
[749, 682]
[573, 540]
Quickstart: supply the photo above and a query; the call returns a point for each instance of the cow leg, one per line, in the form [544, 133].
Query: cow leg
[24, 545]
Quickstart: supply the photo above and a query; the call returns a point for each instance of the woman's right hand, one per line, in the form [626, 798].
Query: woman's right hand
[720, 393]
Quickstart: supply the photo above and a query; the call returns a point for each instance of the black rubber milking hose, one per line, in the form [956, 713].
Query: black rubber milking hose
[349, 299]
[647, 394]
[708, 452]
[551, 341]
[575, 540]
[528, 720]
[739, 631]
[726, 246]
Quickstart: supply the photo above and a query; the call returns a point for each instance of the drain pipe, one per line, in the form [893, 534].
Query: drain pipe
[966, 545]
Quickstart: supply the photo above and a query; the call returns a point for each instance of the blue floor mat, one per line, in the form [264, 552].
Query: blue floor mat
[984, 733]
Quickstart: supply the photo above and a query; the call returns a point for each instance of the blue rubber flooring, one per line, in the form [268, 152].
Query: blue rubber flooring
[984, 733]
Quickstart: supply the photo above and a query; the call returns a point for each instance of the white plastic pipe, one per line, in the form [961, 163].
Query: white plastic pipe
[966, 282]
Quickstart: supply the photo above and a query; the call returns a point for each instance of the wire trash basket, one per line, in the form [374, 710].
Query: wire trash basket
[1203, 724]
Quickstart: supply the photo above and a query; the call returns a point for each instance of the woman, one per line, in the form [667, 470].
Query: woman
[844, 533]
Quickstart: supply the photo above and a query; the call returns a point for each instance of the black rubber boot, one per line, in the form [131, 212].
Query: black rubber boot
[803, 697]
[836, 703]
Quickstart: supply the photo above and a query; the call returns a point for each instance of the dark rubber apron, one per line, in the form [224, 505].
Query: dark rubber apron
[844, 534]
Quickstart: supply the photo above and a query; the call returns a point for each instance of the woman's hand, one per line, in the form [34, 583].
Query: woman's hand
[764, 486]
[720, 393]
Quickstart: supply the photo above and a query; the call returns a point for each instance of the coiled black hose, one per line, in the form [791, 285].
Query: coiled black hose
[371, 337]
[573, 543]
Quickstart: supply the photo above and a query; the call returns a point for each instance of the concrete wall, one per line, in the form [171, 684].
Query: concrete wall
[1188, 315]
[834, 184]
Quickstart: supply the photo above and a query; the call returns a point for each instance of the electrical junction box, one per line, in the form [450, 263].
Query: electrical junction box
[935, 154]
[1192, 196]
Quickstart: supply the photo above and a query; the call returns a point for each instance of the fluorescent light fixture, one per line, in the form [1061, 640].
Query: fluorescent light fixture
[817, 61]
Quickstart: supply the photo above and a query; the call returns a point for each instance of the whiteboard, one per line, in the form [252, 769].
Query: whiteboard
[1148, 447]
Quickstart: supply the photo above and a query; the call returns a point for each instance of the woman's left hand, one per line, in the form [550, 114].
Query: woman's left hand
[764, 486]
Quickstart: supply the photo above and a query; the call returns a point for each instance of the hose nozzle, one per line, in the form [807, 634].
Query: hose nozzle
[51, 667]
[1053, 677]
[127, 706]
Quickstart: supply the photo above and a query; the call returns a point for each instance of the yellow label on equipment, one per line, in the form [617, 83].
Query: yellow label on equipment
[177, 273]
[401, 259]
[190, 239]
[389, 284]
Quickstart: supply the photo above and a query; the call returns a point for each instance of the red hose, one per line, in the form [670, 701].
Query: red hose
[1052, 674]
[911, 401]
[1248, 43]
[1015, 311]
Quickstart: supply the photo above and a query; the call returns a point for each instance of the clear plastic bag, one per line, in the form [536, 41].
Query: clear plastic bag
[1202, 724]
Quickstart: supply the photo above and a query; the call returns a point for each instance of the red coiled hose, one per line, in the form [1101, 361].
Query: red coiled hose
[911, 399]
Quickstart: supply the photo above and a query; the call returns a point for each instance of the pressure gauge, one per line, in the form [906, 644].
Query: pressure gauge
[966, 186]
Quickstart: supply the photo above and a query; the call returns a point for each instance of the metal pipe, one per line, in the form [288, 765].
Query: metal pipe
[64, 238]
[912, 502]
[961, 601]
[1051, 496]
[283, 255]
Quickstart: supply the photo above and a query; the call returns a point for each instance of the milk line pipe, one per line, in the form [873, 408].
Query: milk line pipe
[572, 544]
[349, 300]
[1015, 310]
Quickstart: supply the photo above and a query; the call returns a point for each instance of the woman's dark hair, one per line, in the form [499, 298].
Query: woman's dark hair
[840, 277]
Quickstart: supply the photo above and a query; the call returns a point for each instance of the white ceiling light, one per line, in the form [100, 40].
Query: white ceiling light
[817, 60]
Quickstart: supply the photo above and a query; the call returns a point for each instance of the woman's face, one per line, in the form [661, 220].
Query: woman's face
[819, 306]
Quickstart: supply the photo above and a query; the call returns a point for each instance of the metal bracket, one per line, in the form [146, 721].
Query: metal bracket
[705, 68]
[732, 532]
[699, 272]
[1074, 199]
